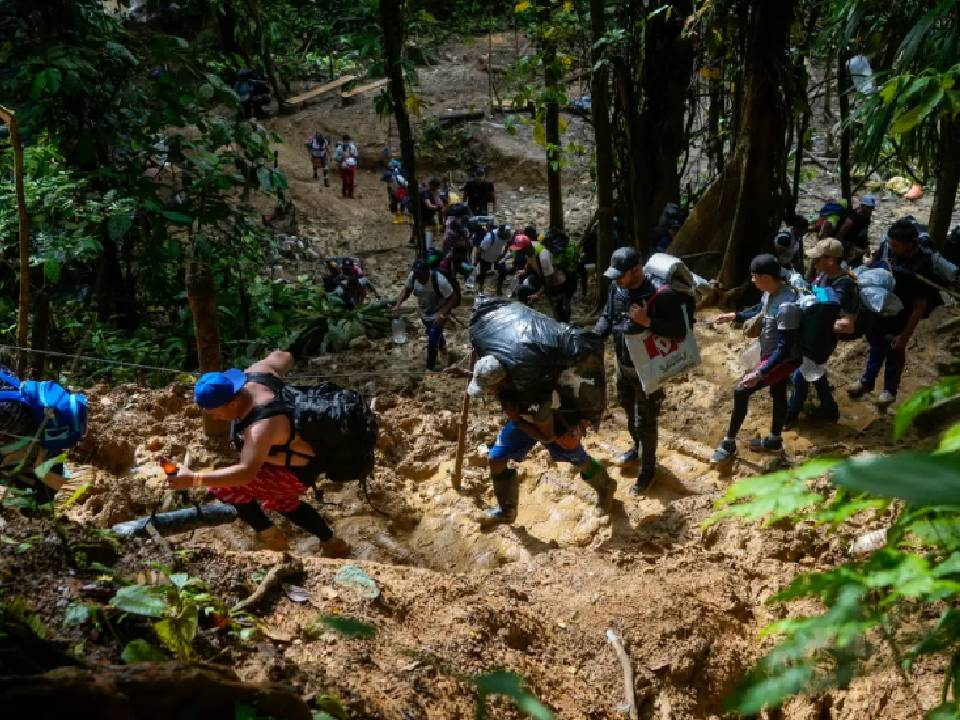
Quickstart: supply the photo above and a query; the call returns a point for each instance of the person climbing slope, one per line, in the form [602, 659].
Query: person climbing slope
[437, 298]
[347, 154]
[527, 424]
[318, 148]
[276, 465]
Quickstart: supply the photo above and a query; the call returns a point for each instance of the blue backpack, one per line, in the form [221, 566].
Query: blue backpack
[63, 414]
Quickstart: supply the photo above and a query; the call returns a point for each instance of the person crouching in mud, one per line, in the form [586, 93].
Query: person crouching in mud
[274, 469]
[527, 424]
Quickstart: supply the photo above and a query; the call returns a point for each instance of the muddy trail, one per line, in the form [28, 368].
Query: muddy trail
[535, 598]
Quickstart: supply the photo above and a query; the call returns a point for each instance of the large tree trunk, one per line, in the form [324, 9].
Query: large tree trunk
[202, 298]
[741, 210]
[653, 99]
[553, 81]
[391, 23]
[843, 97]
[600, 112]
[947, 178]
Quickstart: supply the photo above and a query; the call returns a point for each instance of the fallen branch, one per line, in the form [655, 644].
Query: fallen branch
[277, 574]
[630, 696]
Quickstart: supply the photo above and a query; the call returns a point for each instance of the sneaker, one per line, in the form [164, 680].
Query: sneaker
[605, 486]
[630, 456]
[858, 390]
[885, 399]
[497, 516]
[770, 444]
[726, 451]
[644, 481]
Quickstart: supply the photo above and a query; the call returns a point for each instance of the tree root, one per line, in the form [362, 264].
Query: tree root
[287, 568]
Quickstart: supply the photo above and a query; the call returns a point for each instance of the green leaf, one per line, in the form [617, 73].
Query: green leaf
[177, 634]
[922, 400]
[348, 627]
[329, 706]
[43, 468]
[119, 225]
[142, 651]
[917, 478]
[47, 81]
[77, 614]
[75, 496]
[511, 685]
[242, 711]
[770, 692]
[179, 580]
[946, 711]
[146, 600]
[16, 445]
[177, 218]
[51, 270]
[950, 442]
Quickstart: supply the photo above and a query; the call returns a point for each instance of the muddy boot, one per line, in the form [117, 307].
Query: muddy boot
[506, 487]
[334, 548]
[272, 539]
[595, 475]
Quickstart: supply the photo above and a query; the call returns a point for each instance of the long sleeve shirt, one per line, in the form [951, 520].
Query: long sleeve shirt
[666, 313]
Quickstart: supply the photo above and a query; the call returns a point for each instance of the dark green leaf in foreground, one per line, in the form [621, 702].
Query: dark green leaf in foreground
[348, 627]
[918, 478]
[511, 685]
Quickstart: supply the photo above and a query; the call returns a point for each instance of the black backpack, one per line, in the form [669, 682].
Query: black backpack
[336, 422]
[819, 311]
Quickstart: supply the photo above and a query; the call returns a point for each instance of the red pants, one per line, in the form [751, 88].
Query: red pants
[275, 487]
[346, 178]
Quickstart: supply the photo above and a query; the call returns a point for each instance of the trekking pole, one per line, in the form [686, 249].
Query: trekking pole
[462, 435]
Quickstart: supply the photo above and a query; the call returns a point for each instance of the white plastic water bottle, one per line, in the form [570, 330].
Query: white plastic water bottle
[399, 331]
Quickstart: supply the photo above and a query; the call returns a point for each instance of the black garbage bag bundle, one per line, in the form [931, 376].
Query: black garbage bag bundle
[542, 355]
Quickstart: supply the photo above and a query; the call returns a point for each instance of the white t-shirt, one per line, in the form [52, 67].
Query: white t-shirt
[546, 265]
[492, 246]
[430, 302]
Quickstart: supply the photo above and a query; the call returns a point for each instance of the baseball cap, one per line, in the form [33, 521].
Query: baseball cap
[828, 247]
[868, 201]
[215, 389]
[487, 372]
[520, 242]
[622, 261]
[766, 264]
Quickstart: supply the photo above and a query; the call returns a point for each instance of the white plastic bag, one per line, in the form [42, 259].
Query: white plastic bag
[750, 358]
[811, 370]
[658, 358]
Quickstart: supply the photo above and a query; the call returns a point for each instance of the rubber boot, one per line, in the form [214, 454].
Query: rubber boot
[398, 218]
[272, 539]
[506, 488]
[604, 485]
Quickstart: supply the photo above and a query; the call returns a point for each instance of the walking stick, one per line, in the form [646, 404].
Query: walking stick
[462, 434]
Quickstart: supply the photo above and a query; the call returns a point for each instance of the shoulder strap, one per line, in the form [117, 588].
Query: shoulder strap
[268, 380]
[10, 379]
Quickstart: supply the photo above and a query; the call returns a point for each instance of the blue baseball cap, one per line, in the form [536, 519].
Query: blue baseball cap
[215, 389]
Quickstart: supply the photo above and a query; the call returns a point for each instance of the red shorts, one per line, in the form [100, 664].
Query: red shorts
[275, 487]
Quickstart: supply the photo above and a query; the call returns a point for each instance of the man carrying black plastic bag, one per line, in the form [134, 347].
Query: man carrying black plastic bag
[635, 305]
[549, 380]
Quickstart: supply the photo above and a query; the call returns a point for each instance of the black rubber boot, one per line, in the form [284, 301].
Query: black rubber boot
[601, 482]
[506, 488]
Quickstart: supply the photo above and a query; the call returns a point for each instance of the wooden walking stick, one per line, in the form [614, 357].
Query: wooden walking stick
[462, 434]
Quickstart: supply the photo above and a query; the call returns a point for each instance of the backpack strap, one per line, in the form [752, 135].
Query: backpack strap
[10, 380]
[277, 406]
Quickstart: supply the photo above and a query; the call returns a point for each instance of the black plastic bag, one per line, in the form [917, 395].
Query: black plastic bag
[340, 427]
[542, 355]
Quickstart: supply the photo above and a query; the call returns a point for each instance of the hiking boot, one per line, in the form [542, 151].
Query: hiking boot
[644, 481]
[630, 456]
[725, 453]
[272, 539]
[326, 182]
[770, 444]
[506, 488]
[334, 548]
[858, 389]
[885, 399]
[604, 485]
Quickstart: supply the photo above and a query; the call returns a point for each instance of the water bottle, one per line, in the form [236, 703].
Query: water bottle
[399, 331]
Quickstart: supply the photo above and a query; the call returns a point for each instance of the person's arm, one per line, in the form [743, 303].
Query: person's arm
[450, 300]
[845, 227]
[279, 363]
[919, 310]
[407, 290]
[748, 313]
[604, 325]
[257, 441]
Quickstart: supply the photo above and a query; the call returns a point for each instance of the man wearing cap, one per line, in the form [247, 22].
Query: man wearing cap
[274, 468]
[853, 232]
[635, 305]
[527, 424]
[779, 356]
[827, 255]
[788, 244]
[437, 299]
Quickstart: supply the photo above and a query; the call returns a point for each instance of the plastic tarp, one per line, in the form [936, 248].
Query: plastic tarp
[542, 355]
[876, 292]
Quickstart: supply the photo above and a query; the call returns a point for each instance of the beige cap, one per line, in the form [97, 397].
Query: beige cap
[829, 247]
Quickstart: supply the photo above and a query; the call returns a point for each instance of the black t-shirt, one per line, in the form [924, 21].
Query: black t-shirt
[478, 194]
[910, 275]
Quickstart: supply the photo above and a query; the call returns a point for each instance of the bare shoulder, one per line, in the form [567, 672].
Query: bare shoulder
[269, 431]
[277, 363]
